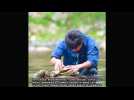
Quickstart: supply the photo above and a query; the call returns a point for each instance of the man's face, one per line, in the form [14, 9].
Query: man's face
[77, 49]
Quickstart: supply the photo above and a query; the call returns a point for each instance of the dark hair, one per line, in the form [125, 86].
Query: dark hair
[73, 39]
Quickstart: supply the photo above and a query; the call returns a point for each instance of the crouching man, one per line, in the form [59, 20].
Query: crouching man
[79, 53]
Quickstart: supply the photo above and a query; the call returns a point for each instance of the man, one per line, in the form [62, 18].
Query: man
[79, 52]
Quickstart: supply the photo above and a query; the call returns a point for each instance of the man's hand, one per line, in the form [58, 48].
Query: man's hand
[73, 68]
[58, 64]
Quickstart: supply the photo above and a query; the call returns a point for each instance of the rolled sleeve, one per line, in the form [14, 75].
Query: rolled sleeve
[58, 51]
[93, 54]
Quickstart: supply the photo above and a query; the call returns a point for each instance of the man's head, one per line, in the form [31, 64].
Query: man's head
[74, 40]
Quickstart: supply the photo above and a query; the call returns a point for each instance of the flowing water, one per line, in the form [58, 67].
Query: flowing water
[40, 61]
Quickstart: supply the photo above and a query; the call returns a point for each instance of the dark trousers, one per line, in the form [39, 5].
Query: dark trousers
[88, 72]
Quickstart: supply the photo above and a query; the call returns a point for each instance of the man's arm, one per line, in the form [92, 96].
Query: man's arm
[75, 68]
[56, 56]
[92, 53]
[58, 64]
[86, 64]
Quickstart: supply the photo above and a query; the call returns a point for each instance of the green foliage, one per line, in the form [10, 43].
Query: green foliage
[56, 24]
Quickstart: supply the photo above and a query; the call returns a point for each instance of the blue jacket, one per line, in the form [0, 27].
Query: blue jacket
[88, 52]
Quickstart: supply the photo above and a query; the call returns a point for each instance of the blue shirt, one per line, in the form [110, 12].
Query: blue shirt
[88, 52]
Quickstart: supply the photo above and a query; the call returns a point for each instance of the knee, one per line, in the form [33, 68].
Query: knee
[93, 71]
